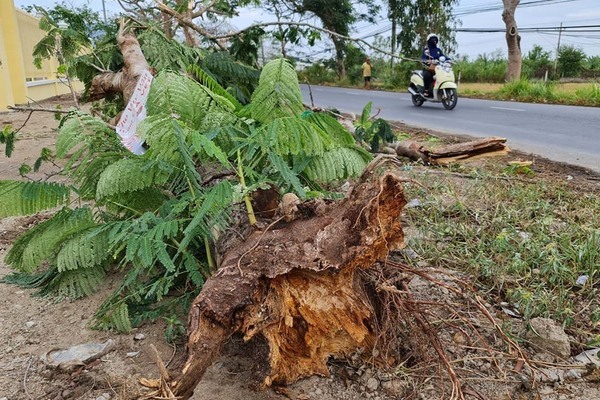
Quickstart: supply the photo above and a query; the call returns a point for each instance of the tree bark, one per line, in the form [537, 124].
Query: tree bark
[125, 80]
[443, 155]
[339, 56]
[513, 40]
[297, 285]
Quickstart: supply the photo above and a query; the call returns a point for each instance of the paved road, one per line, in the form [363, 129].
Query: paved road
[561, 133]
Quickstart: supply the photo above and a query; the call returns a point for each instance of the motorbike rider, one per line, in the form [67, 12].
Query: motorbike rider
[430, 52]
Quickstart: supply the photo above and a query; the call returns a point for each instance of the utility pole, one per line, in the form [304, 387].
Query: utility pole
[557, 49]
[104, 10]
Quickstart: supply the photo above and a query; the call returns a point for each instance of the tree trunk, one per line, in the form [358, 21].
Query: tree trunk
[339, 56]
[298, 284]
[125, 80]
[513, 40]
[167, 23]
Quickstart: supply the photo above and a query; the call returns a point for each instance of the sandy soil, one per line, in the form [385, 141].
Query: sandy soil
[30, 327]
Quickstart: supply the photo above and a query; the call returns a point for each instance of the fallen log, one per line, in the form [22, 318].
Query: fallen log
[297, 286]
[491, 146]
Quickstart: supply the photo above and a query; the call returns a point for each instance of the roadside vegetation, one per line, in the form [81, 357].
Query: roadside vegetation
[530, 243]
[574, 78]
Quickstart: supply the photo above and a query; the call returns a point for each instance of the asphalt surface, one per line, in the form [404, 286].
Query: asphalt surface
[567, 134]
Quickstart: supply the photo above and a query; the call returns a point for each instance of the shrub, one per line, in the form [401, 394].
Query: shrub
[485, 68]
[570, 61]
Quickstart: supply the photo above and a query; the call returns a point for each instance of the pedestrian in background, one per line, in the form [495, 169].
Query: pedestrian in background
[366, 73]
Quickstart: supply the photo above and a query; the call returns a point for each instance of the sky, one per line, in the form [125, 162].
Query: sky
[545, 13]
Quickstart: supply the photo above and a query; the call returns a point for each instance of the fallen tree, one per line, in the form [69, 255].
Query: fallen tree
[314, 279]
[123, 81]
[297, 285]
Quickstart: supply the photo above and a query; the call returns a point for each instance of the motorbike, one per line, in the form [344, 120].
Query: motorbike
[445, 90]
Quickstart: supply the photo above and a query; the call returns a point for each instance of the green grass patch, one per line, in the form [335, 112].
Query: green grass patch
[525, 242]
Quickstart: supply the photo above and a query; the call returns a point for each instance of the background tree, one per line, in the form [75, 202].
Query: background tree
[418, 18]
[513, 40]
[336, 16]
[571, 61]
[70, 32]
[537, 62]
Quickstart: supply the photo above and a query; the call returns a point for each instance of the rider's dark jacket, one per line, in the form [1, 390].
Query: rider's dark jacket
[430, 53]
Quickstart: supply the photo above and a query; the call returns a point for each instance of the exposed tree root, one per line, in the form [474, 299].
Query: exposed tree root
[296, 284]
[417, 331]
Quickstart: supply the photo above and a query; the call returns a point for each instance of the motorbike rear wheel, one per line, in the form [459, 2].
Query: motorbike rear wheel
[449, 98]
[417, 100]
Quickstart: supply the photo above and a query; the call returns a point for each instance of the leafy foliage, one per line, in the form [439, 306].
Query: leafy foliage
[7, 138]
[156, 215]
[24, 198]
[372, 132]
[418, 18]
[278, 94]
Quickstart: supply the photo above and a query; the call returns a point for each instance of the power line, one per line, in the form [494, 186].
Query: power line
[478, 9]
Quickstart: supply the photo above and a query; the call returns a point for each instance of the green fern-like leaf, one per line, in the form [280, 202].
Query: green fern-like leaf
[25, 198]
[338, 163]
[128, 175]
[288, 176]
[278, 93]
[222, 65]
[207, 149]
[180, 97]
[206, 80]
[116, 317]
[91, 146]
[79, 129]
[136, 202]
[339, 135]
[166, 54]
[86, 250]
[294, 136]
[74, 284]
[42, 242]
[211, 213]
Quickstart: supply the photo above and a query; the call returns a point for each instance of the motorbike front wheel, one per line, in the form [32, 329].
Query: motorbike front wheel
[449, 98]
[417, 100]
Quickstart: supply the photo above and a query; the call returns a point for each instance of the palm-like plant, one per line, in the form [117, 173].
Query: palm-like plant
[156, 216]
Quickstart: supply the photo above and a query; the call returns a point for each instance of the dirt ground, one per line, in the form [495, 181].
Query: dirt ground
[30, 327]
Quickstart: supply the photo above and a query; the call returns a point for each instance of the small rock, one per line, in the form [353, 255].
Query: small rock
[549, 336]
[3, 398]
[581, 280]
[133, 354]
[572, 375]
[78, 355]
[394, 387]
[372, 384]
[318, 392]
[413, 203]
[103, 396]
[551, 376]
[17, 292]
[589, 357]
[139, 336]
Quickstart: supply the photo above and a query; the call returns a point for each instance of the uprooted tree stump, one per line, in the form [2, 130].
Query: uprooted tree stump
[297, 285]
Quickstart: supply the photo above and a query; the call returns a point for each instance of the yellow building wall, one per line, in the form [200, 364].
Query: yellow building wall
[20, 80]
